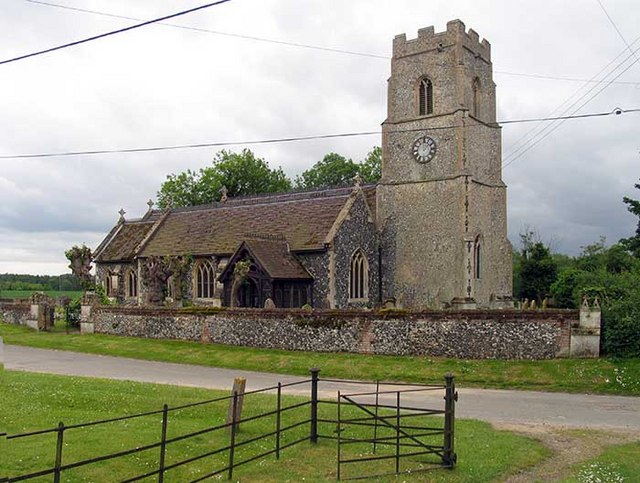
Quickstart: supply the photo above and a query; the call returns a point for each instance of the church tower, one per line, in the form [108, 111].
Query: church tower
[441, 200]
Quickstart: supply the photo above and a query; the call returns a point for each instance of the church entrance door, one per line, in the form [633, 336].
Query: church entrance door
[249, 295]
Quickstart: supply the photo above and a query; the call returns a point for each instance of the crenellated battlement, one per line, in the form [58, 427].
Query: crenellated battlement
[428, 39]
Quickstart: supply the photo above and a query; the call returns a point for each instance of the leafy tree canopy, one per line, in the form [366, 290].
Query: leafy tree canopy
[537, 272]
[245, 174]
[241, 173]
[336, 170]
[80, 258]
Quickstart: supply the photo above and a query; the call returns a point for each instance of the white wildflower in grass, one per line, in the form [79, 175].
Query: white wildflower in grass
[600, 473]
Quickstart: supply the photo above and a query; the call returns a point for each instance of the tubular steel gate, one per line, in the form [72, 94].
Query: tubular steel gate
[399, 430]
[167, 446]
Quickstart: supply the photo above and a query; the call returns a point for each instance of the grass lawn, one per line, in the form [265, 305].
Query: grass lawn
[35, 401]
[617, 464]
[604, 376]
[25, 294]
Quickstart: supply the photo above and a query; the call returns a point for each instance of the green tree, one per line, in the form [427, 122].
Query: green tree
[534, 268]
[80, 258]
[537, 272]
[371, 167]
[332, 170]
[241, 173]
[633, 243]
[336, 170]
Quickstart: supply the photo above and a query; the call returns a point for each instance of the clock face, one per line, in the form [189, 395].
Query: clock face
[424, 149]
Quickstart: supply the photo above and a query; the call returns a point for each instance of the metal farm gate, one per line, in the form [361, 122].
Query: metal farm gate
[411, 437]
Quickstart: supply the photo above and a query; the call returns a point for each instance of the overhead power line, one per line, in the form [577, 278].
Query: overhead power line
[616, 111]
[535, 140]
[113, 32]
[616, 28]
[302, 45]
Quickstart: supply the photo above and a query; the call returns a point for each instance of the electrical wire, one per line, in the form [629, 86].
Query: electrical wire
[616, 111]
[302, 45]
[562, 121]
[615, 27]
[533, 133]
[215, 32]
[113, 32]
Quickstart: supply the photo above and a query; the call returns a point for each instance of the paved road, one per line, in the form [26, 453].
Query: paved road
[573, 410]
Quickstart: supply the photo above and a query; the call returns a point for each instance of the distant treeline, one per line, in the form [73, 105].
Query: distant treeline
[12, 281]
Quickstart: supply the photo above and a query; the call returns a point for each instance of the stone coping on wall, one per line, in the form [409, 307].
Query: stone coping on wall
[495, 314]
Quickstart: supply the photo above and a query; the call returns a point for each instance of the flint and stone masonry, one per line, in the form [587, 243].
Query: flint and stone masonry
[472, 334]
[443, 217]
[431, 234]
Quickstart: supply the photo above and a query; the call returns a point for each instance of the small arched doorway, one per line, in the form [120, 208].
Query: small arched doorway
[248, 294]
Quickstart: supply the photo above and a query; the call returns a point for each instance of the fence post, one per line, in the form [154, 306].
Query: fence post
[239, 386]
[375, 421]
[232, 446]
[59, 446]
[314, 405]
[451, 396]
[398, 432]
[279, 408]
[339, 430]
[163, 442]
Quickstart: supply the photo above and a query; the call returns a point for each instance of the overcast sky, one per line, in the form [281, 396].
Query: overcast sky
[161, 85]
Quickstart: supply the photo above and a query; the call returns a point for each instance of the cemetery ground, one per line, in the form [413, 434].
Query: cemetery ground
[594, 376]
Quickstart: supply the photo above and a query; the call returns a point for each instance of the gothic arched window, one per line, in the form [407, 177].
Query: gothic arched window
[132, 284]
[359, 276]
[477, 255]
[205, 279]
[475, 107]
[425, 95]
[111, 284]
[169, 287]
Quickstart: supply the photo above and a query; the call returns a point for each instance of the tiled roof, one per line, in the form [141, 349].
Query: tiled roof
[303, 219]
[276, 259]
[122, 246]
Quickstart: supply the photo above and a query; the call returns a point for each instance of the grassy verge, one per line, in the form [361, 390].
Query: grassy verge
[616, 464]
[35, 401]
[604, 376]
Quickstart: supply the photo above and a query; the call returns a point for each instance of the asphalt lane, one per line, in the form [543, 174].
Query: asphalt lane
[498, 406]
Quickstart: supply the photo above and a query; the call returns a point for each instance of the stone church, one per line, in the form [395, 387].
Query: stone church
[431, 234]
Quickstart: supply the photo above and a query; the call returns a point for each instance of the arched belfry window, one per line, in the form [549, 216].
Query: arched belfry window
[475, 107]
[477, 256]
[205, 279]
[359, 276]
[425, 95]
[132, 284]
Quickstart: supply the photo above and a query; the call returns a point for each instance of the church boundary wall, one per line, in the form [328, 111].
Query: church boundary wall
[15, 312]
[469, 334]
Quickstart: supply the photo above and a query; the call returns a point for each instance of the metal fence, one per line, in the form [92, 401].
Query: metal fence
[285, 426]
[401, 432]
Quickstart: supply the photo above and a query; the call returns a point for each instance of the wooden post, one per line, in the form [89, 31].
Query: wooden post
[234, 415]
[451, 396]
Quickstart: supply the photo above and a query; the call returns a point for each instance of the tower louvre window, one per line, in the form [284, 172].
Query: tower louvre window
[426, 97]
